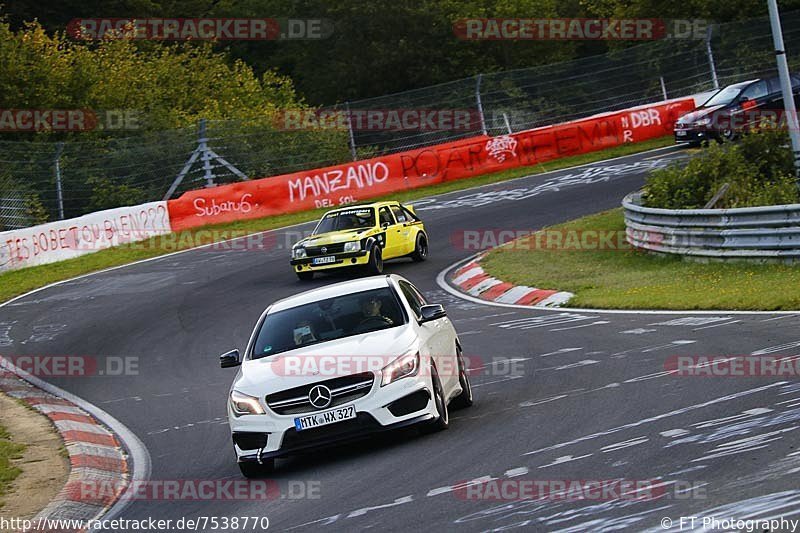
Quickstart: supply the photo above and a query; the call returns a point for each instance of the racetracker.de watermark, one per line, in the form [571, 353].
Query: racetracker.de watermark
[579, 490]
[327, 366]
[195, 490]
[733, 366]
[747, 118]
[578, 29]
[69, 120]
[553, 240]
[70, 366]
[422, 119]
[200, 29]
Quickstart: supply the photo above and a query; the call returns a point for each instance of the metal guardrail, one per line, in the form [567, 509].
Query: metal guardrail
[769, 232]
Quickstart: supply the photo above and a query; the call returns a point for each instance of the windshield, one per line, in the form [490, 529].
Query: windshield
[346, 219]
[725, 96]
[328, 320]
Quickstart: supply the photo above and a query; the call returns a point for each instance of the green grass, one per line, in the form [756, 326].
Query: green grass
[17, 282]
[8, 451]
[629, 279]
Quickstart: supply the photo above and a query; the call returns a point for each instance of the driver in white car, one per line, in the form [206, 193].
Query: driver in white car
[371, 308]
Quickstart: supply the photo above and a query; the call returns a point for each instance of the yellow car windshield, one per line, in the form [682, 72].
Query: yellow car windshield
[346, 219]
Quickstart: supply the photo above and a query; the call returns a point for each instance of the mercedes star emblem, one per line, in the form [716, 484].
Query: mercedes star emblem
[324, 250]
[320, 396]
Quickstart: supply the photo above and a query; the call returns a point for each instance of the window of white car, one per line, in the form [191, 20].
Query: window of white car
[327, 320]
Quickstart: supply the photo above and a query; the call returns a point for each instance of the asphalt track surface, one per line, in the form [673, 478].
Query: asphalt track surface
[588, 398]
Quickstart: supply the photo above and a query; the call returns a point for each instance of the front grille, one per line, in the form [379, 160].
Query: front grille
[313, 251]
[344, 389]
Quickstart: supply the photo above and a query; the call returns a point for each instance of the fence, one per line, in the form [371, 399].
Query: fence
[770, 232]
[86, 172]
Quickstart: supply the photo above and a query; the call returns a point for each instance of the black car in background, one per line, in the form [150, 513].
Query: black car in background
[733, 110]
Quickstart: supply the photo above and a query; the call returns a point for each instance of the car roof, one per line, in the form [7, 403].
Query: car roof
[743, 83]
[363, 205]
[331, 291]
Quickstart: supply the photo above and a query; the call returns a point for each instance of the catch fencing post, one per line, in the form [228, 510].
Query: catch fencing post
[480, 105]
[663, 87]
[352, 138]
[59, 190]
[508, 124]
[710, 55]
[208, 171]
[786, 83]
[207, 155]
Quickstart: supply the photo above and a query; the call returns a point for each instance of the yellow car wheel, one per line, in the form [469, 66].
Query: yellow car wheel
[375, 264]
[420, 248]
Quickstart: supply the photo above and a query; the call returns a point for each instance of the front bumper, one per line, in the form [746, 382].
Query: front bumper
[343, 259]
[406, 402]
[694, 136]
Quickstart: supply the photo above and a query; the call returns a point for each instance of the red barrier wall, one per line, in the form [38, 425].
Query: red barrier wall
[360, 180]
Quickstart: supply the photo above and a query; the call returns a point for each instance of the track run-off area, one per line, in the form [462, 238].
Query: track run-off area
[559, 394]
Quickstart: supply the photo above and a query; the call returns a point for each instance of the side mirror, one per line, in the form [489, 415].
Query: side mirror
[432, 312]
[229, 359]
[384, 225]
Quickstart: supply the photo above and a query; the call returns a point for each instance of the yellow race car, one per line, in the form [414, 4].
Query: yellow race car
[361, 236]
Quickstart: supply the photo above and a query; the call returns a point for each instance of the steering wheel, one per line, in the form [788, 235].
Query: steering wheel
[371, 322]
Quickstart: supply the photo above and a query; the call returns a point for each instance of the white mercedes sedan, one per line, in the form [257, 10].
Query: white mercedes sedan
[341, 362]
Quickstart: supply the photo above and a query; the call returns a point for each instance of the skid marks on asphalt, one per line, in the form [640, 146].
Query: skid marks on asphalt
[450, 301]
[220, 420]
[776, 349]
[655, 418]
[719, 437]
[516, 191]
[652, 348]
[5, 333]
[542, 321]
[45, 333]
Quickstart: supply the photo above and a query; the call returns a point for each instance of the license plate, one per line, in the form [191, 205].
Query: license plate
[324, 260]
[680, 133]
[325, 417]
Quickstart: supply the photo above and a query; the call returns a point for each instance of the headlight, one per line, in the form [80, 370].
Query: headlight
[298, 253]
[401, 367]
[703, 122]
[352, 246]
[242, 404]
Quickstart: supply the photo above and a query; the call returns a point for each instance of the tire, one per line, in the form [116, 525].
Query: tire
[442, 421]
[375, 264]
[255, 470]
[420, 253]
[728, 136]
[305, 275]
[464, 399]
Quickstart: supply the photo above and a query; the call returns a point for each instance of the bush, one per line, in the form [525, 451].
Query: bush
[759, 170]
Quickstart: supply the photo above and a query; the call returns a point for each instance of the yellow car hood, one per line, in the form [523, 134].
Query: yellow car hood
[324, 239]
